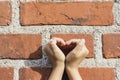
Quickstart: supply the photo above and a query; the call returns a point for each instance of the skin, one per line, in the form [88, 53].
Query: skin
[70, 62]
[57, 58]
[75, 57]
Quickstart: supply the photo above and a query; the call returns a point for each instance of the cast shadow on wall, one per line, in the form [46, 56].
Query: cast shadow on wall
[42, 73]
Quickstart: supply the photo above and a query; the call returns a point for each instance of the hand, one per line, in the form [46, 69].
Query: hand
[75, 57]
[56, 56]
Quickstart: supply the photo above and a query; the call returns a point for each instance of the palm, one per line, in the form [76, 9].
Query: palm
[54, 53]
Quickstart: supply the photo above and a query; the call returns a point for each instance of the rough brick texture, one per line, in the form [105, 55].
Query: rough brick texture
[6, 73]
[97, 73]
[20, 46]
[27, 24]
[5, 13]
[34, 73]
[111, 45]
[87, 37]
[75, 13]
[86, 73]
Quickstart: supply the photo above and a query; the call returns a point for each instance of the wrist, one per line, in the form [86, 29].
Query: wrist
[57, 72]
[73, 73]
[59, 65]
[69, 68]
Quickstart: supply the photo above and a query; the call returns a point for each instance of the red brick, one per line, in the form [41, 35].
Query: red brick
[111, 45]
[97, 73]
[86, 73]
[6, 73]
[74, 13]
[87, 37]
[34, 73]
[22, 46]
[5, 13]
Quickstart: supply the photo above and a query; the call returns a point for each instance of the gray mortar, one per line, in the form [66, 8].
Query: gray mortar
[46, 30]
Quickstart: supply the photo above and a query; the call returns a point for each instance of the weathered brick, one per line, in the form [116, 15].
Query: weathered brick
[87, 37]
[6, 73]
[20, 46]
[111, 45]
[86, 73]
[74, 13]
[5, 13]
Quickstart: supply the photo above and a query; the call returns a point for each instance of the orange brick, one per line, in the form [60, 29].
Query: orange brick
[97, 73]
[5, 13]
[111, 45]
[34, 73]
[6, 73]
[87, 37]
[21, 46]
[74, 13]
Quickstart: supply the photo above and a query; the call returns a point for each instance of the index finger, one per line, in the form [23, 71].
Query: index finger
[59, 40]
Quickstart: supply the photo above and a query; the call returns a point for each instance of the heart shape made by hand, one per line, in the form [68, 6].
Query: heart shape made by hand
[66, 48]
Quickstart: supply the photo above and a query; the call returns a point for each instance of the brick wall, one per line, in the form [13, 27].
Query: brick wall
[26, 26]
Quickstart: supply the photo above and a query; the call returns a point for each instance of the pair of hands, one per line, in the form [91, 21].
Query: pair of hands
[74, 57]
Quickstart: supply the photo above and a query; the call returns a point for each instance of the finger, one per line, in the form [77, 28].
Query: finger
[52, 41]
[80, 43]
[69, 42]
[53, 45]
[83, 41]
[72, 41]
[47, 50]
[59, 40]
